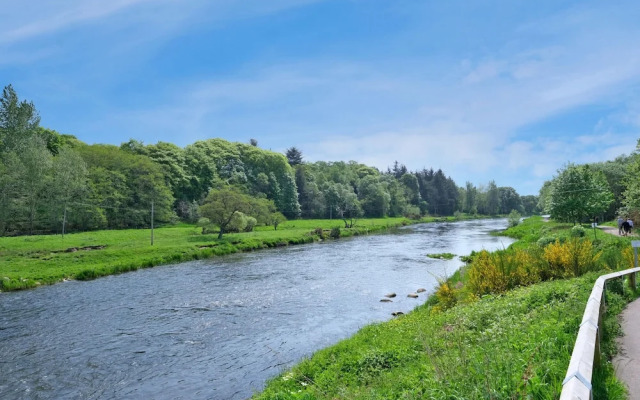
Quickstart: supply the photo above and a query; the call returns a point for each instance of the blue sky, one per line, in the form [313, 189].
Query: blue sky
[503, 90]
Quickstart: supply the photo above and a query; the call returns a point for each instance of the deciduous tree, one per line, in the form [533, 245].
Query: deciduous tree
[579, 193]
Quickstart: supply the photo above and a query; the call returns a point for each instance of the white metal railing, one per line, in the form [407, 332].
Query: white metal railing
[586, 352]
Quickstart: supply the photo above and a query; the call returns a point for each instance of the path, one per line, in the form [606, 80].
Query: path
[627, 362]
[609, 229]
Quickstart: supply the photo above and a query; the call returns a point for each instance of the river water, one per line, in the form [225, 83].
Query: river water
[219, 328]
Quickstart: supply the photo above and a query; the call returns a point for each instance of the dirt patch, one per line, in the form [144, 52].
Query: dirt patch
[74, 249]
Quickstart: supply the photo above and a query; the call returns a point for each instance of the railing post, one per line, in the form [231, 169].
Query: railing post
[632, 279]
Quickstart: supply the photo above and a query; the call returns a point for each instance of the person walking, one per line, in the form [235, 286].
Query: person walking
[630, 222]
[620, 221]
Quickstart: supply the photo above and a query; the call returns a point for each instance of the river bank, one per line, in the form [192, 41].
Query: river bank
[218, 328]
[443, 350]
[31, 261]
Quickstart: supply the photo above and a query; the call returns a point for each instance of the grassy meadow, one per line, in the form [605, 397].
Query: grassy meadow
[502, 327]
[30, 261]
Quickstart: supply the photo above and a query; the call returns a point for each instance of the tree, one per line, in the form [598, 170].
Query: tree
[529, 204]
[493, 199]
[632, 192]
[276, 219]
[69, 182]
[221, 205]
[509, 200]
[544, 198]
[616, 172]
[253, 142]
[294, 156]
[18, 120]
[34, 177]
[579, 193]
[470, 199]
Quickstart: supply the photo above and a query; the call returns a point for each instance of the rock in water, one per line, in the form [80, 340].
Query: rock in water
[396, 313]
[386, 301]
[421, 290]
[413, 295]
[390, 295]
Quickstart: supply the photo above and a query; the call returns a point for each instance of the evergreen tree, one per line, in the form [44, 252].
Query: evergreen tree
[294, 156]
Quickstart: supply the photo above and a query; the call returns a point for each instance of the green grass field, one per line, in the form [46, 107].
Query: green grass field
[29, 261]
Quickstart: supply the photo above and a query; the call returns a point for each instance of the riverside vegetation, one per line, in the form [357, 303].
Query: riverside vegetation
[30, 261]
[503, 326]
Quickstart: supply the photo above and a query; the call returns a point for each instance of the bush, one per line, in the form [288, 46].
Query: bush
[335, 232]
[251, 223]
[238, 222]
[412, 212]
[206, 225]
[577, 232]
[514, 218]
[546, 240]
[319, 232]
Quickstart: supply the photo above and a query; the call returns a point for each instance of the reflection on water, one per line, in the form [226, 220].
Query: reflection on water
[217, 329]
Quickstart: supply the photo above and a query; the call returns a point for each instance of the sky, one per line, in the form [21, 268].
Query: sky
[509, 91]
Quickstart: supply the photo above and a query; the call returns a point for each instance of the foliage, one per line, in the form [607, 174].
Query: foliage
[225, 208]
[449, 354]
[514, 218]
[114, 187]
[441, 256]
[632, 192]
[294, 156]
[578, 231]
[579, 193]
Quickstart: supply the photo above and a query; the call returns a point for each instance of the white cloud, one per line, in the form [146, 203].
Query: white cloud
[19, 23]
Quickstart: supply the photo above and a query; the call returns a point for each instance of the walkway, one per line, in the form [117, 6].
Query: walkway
[627, 362]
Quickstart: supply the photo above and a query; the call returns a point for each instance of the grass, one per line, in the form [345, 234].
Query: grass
[441, 256]
[516, 345]
[30, 261]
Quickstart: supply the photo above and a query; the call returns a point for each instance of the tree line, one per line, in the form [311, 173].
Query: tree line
[603, 190]
[51, 182]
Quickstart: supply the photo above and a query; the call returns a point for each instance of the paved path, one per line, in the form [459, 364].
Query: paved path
[627, 362]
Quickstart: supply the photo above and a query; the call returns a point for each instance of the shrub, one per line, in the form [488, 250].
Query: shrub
[206, 225]
[251, 223]
[412, 212]
[335, 232]
[577, 232]
[446, 295]
[545, 241]
[318, 231]
[514, 218]
[238, 222]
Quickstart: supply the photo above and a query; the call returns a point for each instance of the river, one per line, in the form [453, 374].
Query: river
[218, 328]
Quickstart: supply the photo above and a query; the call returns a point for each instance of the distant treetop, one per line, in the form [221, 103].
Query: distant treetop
[294, 156]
